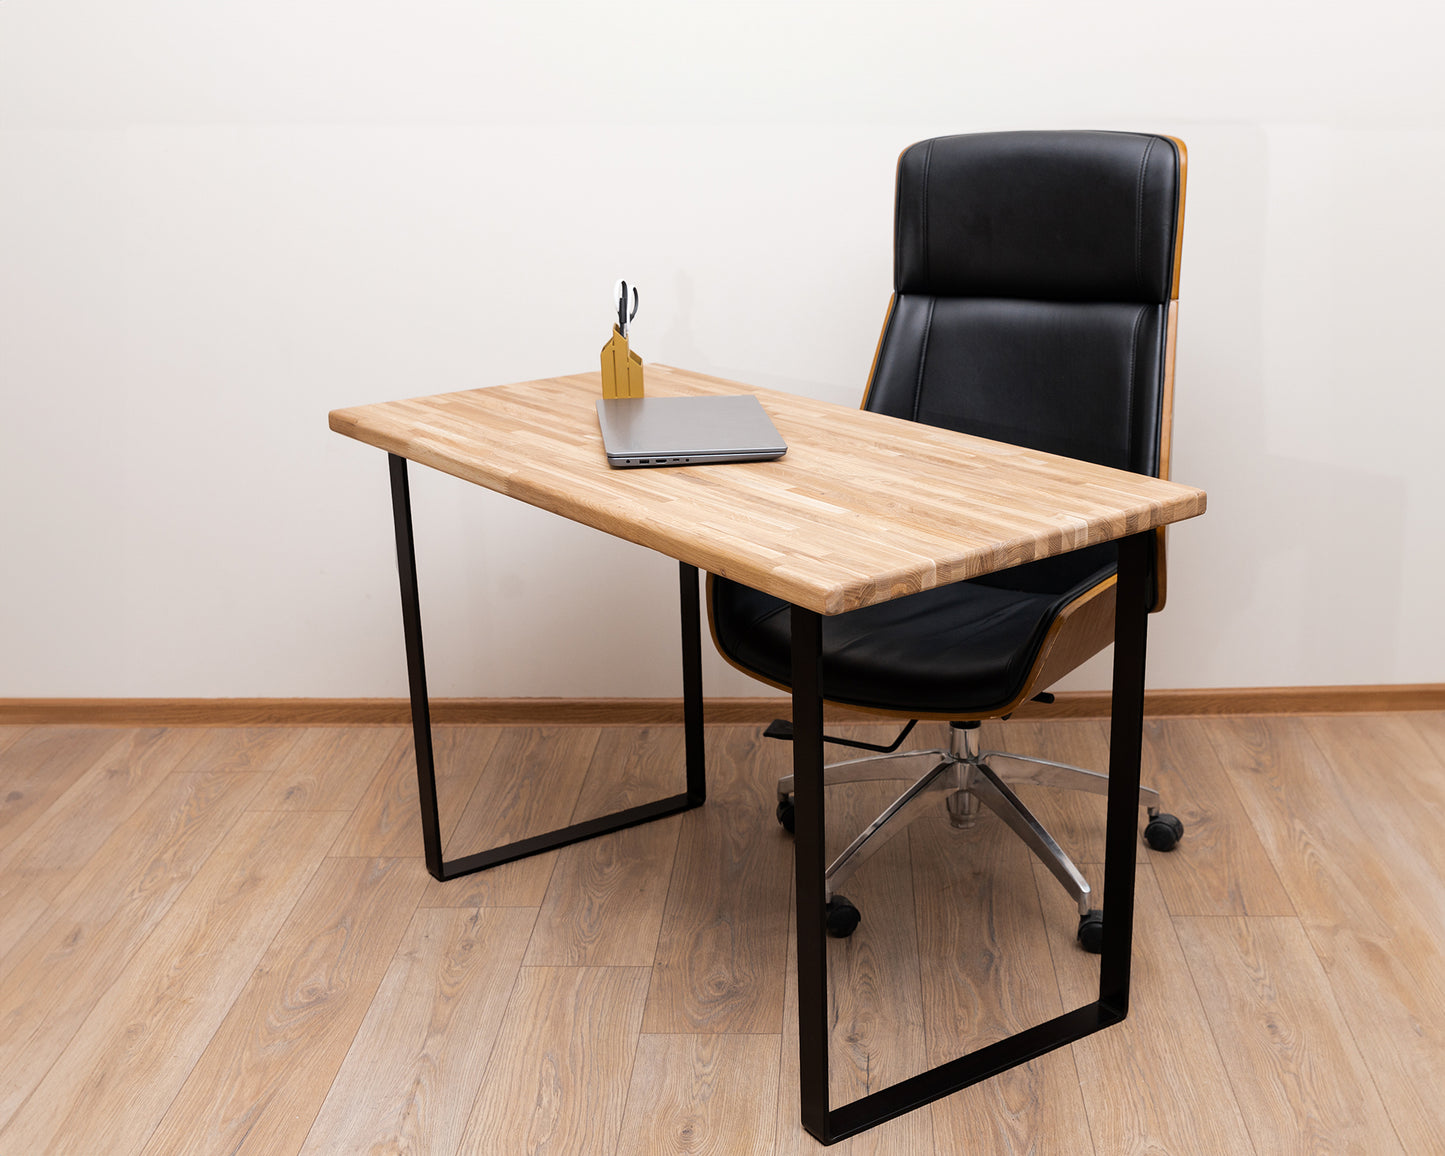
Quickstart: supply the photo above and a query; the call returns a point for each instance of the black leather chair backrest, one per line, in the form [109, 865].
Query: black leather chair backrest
[1032, 274]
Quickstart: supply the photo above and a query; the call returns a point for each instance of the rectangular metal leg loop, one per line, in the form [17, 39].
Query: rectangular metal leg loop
[442, 868]
[829, 1125]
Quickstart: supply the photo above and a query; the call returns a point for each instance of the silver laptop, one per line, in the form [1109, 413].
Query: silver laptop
[686, 431]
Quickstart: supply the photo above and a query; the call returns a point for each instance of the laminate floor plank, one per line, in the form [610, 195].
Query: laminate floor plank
[1391, 994]
[68, 961]
[114, 1081]
[876, 1003]
[242, 750]
[57, 844]
[40, 765]
[1364, 907]
[11, 734]
[720, 952]
[62, 840]
[1293, 1065]
[1156, 1083]
[983, 942]
[1220, 867]
[702, 1094]
[906, 1135]
[330, 768]
[605, 898]
[1395, 781]
[413, 1071]
[1392, 750]
[188, 962]
[1037, 1107]
[1430, 725]
[1309, 823]
[530, 784]
[267, 1069]
[386, 822]
[876, 992]
[987, 973]
[557, 1081]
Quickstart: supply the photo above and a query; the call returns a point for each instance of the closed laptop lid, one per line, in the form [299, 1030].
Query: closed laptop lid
[641, 431]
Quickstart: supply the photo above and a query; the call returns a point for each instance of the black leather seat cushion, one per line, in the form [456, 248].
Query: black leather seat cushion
[960, 650]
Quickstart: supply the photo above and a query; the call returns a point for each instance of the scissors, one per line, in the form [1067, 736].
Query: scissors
[619, 294]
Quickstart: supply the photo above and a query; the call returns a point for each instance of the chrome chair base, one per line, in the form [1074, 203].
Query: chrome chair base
[968, 778]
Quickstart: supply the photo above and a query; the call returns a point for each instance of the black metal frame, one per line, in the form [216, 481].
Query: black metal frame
[1125, 746]
[441, 868]
[829, 1125]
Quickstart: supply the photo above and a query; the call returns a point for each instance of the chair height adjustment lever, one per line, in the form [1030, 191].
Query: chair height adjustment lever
[781, 728]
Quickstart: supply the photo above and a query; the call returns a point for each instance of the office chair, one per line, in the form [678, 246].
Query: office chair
[1035, 292]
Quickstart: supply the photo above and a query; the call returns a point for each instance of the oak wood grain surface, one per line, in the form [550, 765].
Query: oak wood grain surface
[1384, 953]
[412, 1073]
[863, 508]
[1228, 871]
[605, 899]
[39, 766]
[1296, 1072]
[118, 1074]
[718, 963]
[329, 768]
[901, 1136]
[878, 1035]
[712, 1095]
[70, 957]
[560, 1068]
[1150, 1084]
[257, 1086]
[41, 858]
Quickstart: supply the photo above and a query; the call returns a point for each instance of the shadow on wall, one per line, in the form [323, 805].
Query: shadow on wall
[1295, 574]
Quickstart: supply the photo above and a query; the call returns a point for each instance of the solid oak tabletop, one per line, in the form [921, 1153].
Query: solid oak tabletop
[863, 508]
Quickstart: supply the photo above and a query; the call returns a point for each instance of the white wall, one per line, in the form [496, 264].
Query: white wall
[218, 221]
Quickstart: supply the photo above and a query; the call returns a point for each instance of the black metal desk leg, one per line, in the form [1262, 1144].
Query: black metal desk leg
[426, 778]
[809, 866]
[692, 683]
[442, 868]
[1126, 741]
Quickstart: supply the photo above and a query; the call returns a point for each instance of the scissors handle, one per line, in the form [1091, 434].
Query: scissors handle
[623, 317]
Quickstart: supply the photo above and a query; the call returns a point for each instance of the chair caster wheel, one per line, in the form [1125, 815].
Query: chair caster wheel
[1163, 832]
[843, 918]
[785, 813]
[1091, 931]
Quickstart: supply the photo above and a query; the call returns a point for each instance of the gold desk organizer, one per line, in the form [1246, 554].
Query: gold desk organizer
[621, 368]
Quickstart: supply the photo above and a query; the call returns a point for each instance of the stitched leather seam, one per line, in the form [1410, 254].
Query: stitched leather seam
[923, 216]
[922, 358]
[1129, 396]
[1139, 217]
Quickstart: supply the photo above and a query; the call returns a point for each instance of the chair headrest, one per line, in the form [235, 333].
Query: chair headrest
[1075, 216]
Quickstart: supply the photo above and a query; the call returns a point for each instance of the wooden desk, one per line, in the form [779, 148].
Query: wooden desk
[862, 509]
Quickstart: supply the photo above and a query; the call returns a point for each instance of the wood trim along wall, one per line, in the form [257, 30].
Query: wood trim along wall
[217, 712]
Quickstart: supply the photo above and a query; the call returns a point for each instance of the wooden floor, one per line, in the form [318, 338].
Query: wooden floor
[225, 941]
